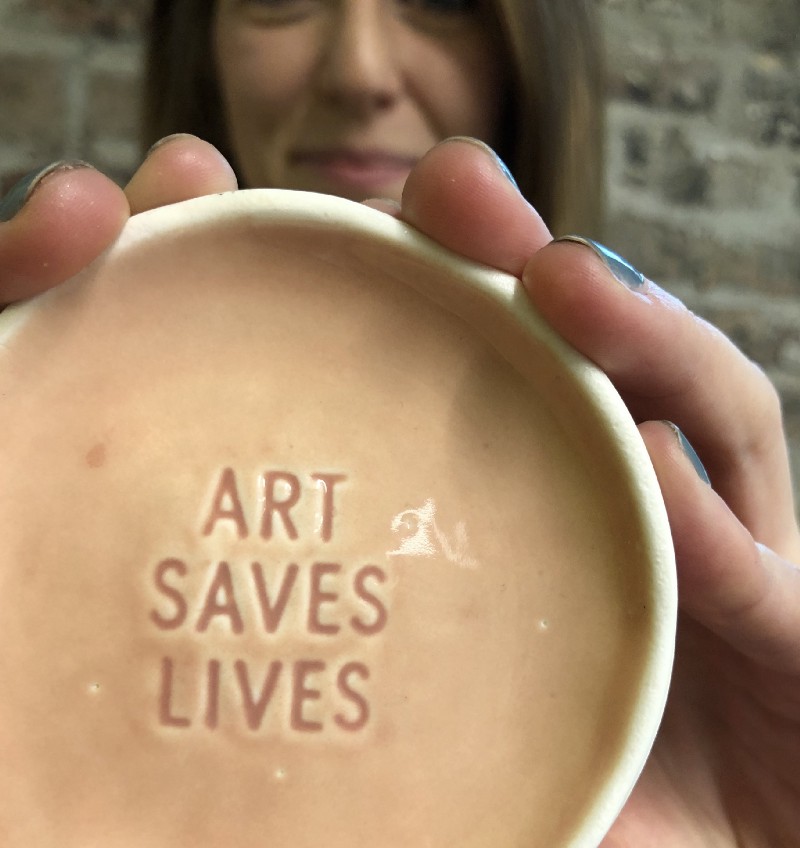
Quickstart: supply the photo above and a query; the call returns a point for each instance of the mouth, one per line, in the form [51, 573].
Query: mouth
[368, 170]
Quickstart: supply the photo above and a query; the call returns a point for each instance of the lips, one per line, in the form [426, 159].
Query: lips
[359, 169]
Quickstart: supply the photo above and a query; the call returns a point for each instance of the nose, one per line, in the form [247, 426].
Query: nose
[359, 69]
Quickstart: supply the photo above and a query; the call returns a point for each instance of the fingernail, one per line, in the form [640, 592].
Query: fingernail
[622, 270]
[166, 140]
[22, 191]
[691, 453]
[488, 150]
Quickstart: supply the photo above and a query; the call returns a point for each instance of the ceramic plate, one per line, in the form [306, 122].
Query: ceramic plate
[315, 534]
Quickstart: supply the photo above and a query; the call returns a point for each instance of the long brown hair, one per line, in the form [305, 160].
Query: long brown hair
[552, 135]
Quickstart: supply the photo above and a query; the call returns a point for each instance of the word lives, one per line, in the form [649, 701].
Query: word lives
[296, 625]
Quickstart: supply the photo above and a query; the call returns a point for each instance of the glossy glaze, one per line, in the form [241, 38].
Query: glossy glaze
[292, 555]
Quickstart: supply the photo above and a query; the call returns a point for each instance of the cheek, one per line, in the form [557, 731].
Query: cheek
[467, 97]
[261, 74]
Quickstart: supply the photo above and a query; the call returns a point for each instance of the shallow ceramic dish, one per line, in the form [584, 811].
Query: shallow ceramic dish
[314, 534]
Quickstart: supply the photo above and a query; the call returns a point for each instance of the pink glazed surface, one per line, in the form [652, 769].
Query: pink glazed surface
[293, 555]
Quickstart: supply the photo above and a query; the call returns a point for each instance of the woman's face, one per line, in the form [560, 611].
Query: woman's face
[343, 96]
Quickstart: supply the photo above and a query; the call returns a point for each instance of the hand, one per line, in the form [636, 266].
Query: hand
[725, 769]
[72, 212]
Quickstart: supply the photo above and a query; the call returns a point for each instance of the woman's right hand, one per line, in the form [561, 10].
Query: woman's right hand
[58, 220]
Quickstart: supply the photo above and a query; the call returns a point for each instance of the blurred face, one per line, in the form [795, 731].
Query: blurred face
[343, 96]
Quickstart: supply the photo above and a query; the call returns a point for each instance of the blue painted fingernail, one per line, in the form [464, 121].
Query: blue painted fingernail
[622, 270]
[21, 192]
[691, 453]
[488, 150]
[504, 169]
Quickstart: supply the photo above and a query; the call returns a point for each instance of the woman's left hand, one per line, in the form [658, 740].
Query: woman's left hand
[725, 769]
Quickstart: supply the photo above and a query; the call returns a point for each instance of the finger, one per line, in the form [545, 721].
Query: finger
[70, 215]
[179, 167]
[668, 363]
[461, 195]
[742, 591]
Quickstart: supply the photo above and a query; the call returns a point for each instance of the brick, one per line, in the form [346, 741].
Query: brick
[690, 85]
[774, 124]
[637, 150]
[685, 177]
[105, 18]
[633, 71]
[626, 7]
[33, 95]
[114, 105]
[660, 252]
[768, 76]
[771, 25]
[771, 89]
[704, 17]
[797, 189]
[638, 146]
[667, 252]
[739, 183]
[789, 353]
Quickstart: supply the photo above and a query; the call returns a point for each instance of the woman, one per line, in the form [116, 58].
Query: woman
[343, 95]
[535, 68]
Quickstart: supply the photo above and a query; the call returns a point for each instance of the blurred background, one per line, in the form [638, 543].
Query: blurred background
[703, 143]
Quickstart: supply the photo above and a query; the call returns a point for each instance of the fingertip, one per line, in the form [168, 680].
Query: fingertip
[704, 532]
[461, 195]
[176, 168]
[70, 218]
[169, 139]
[684, 481]
[688, 451]
[620, 269]
[574, 289]
[735, 588]
[622, 325]
[22, 191]
[193, 161]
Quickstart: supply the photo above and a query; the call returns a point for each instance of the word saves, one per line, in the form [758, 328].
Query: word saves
[297, 605]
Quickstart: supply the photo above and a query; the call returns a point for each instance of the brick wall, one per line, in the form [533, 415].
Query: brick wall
[704, 176]
[69, 74]
[704, 143]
